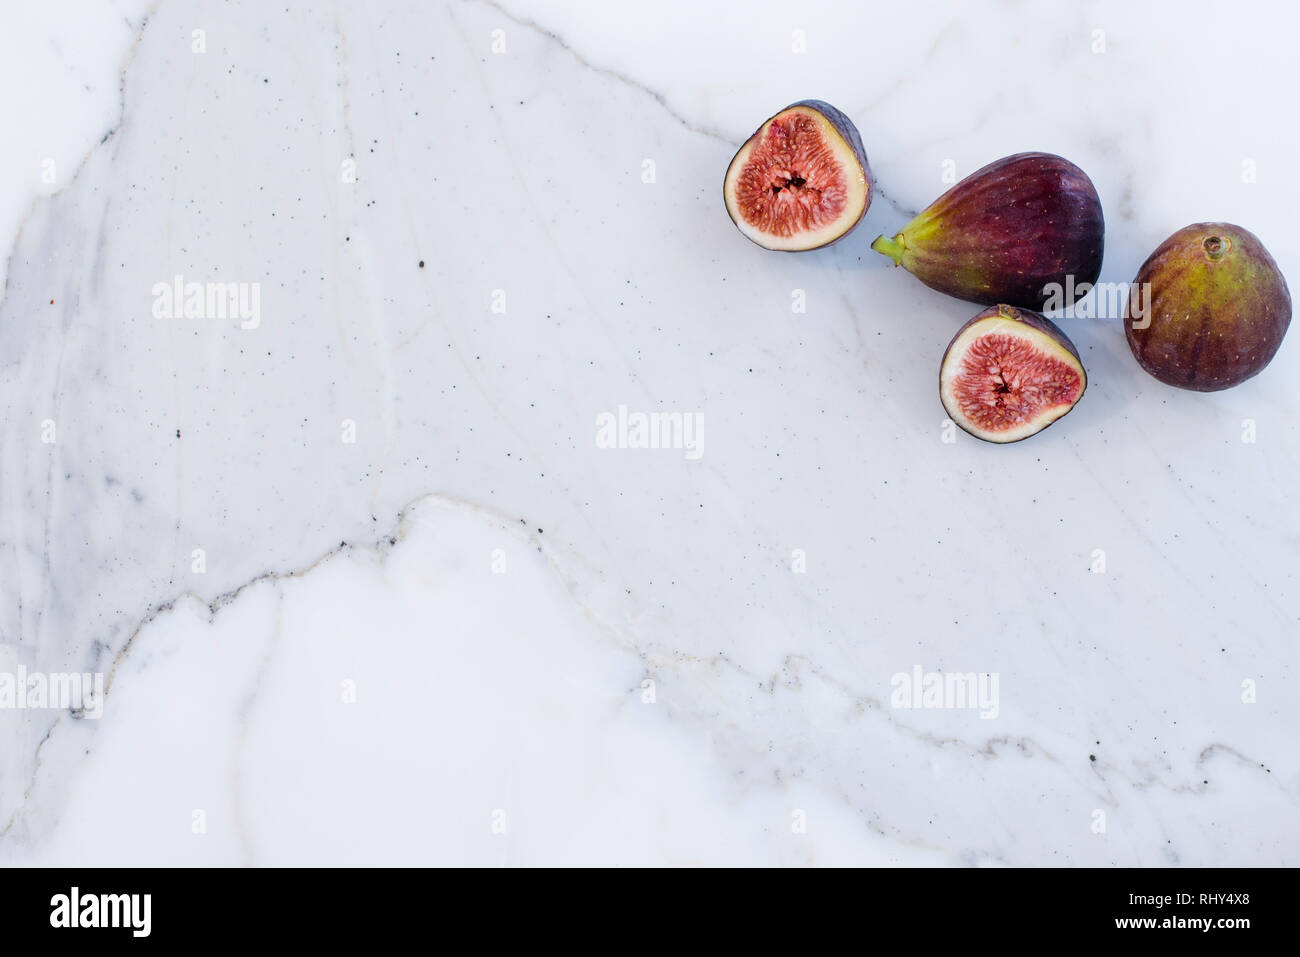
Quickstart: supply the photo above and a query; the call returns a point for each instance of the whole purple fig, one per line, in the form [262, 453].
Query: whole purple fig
[1022, 230]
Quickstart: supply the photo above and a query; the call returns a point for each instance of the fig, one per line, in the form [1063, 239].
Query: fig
[1012, 232]
[1009, 373]
[1211, 308]
[801, 181]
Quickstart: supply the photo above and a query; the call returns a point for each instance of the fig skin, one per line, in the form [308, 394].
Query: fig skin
[1218, 310]
[1034, 320]
[1005, 232]
[847, 131]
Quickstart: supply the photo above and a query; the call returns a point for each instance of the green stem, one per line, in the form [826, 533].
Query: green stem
[892, 248]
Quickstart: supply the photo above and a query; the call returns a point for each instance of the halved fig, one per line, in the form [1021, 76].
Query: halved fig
[1010, 373]
[801, 181]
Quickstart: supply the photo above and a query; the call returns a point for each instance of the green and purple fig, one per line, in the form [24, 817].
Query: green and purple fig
[1211, 308]
[1008, 374]
[1024, 230]
[801, 181]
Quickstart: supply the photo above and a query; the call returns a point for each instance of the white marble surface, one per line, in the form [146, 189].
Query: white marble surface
[518, 697]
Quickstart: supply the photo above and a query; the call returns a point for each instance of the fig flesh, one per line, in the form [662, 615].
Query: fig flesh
[1214, 312]
[801, 181]
[1011, 232]
[1008, 374]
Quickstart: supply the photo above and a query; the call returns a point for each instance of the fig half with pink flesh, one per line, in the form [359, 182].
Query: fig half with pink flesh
[1008, 374]
[801, 181]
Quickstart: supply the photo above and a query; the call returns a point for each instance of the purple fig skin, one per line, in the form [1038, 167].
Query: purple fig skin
[1005, 232]
[1024, 317]
[1219, 307]
[847, 131]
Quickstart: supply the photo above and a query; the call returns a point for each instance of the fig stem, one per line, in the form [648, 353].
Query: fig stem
[889, 247]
